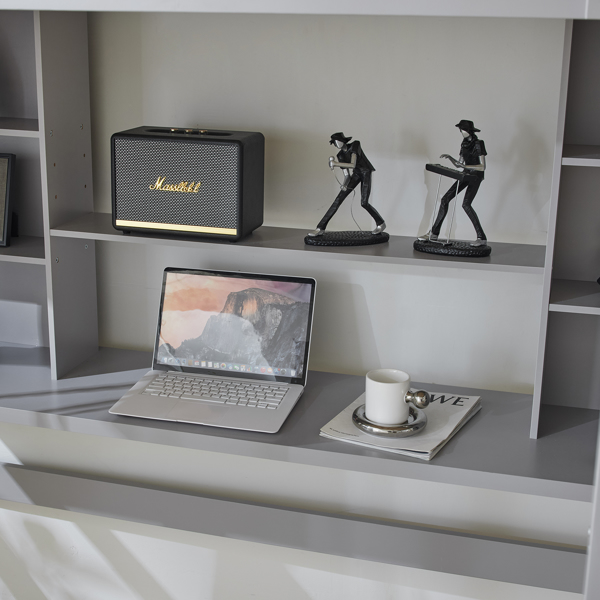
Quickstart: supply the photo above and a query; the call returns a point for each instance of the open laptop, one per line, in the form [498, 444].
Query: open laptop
[231, 350]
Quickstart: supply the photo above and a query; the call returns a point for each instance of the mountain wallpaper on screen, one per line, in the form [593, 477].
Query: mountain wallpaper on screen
[256, 327]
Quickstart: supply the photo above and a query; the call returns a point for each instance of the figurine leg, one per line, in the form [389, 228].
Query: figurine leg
[454, 190]
[472, 189]
[337, 203]
[365, 192]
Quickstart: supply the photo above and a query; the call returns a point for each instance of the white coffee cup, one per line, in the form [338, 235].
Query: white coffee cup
[385, 395]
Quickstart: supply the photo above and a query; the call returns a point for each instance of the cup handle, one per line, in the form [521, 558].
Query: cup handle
[420, 398]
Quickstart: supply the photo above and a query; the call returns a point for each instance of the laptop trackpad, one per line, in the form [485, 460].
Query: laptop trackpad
[151, 407]
[196, 412]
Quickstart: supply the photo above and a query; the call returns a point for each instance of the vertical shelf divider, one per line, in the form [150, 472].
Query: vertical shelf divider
[66, 166]
[592, 574]
[547, 284]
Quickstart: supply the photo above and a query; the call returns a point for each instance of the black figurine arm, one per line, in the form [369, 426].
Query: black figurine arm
[455, 162]
[459, 165]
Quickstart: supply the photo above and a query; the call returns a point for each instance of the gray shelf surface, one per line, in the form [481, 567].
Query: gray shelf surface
[525, 563]
[581, 156]
[519, 258]
[19, 127]
[493, 451]
[24, 249]
[580, 297]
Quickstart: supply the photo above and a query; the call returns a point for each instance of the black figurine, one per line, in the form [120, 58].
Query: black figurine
[357, 169]
[472, 165]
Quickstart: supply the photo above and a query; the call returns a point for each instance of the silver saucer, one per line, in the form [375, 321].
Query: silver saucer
[417, 419]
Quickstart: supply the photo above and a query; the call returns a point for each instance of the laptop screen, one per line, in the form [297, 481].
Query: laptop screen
[235, 324]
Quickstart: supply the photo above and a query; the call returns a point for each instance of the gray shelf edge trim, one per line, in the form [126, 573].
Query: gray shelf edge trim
[26, 260]
[305, 456]
[581, 155]
[575, 310]
[522, 563]
[20, 133]
[580, 162]
[565, 9]
[316, 252]
[19, 127]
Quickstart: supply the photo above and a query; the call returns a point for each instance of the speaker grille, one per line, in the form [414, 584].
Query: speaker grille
[140, 162]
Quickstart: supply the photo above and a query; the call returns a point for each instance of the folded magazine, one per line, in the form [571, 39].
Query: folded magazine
[446, 414]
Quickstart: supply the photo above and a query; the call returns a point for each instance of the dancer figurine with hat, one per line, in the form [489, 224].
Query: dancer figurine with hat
[356, 168]
[469, 173]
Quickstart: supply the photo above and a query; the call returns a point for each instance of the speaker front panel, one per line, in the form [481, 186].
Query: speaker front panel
[176, 186]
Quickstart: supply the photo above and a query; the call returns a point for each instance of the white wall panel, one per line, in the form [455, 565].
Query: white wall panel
[441, 325]
[398, 84]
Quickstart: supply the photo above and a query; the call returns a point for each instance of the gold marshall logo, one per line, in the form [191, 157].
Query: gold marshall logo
[184, 186]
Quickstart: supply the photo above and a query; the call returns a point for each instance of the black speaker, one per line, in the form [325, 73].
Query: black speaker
[191, 182]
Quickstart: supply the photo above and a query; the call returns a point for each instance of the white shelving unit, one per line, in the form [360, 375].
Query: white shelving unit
[59, 230]
[569, 330]
[48, 129]
[23, 262]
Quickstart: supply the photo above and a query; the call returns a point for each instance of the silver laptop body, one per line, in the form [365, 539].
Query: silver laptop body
[231, 350]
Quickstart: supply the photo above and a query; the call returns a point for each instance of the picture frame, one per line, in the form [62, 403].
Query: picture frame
[7, 170]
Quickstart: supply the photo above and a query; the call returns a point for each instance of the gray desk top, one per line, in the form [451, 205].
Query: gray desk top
[493, 451]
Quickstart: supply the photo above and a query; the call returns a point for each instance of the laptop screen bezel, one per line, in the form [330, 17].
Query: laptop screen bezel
[231, 373]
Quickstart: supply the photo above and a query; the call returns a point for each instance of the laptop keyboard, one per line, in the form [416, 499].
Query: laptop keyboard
[220, 391]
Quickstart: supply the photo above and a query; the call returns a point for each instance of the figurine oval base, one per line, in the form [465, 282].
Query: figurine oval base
[417, 420]
[453, 248]
[347, 238]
